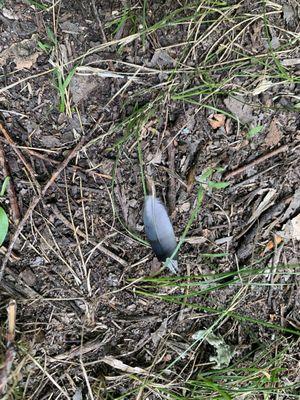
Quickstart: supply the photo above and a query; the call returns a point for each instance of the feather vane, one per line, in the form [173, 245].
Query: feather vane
[159, 231]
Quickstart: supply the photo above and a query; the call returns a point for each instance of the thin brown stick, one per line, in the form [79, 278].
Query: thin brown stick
[172, 186]
[99, 22]
[74, 168]
[20, 155]
[36, 200]
[257, 161]
[104, 38]
[49, 376]
[99, 246]
[13, 199]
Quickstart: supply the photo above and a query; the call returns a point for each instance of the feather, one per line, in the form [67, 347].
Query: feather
[159, 231]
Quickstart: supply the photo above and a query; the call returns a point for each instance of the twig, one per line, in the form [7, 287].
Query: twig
[36, 199]
[172, 189]
[99, 246]
[99, 22]
[19, 229]
[245, 248]
[13, 256]
[18, 152]
[257, 161]
[13, 200]
[50, 377]
[77, 351]
[74, 168]
[19, 288]
[15, 290]
[104, 38]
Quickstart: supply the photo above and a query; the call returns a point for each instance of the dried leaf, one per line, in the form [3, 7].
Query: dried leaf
[115, 363]
[23, 53]
[289, 14]
[274, 134]
[157, 158]
[191, 175]
[159, 333]
[292, 229]
[10, 14]
[195, 240]
[78, 394]
[237, 105]
[256, 35]
[290, 62]
[81, 87]
[26, 62]
[185, 207]
[224, 351]
[161, 59]
[267, 202]
[293, 207]
[216, 120]
[263, 86]
[272, 244]
[227, 239]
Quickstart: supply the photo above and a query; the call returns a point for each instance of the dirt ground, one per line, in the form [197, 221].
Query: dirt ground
[169, 89]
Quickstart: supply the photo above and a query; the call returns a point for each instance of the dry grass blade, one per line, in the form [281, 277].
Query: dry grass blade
[115, 363]
[77, 351]
[11, 187]
[35, 201]
[19, 154]
[98, 246]
[192, 94]
[10, 353]
[50, 377]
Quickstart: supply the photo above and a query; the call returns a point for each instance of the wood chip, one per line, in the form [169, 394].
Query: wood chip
[274, 134]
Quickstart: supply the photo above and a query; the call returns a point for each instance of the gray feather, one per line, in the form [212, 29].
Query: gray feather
[159, 231]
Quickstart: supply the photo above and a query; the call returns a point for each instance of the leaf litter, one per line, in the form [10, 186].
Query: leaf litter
[224, 352]
[23, 53]
[216, 120]
[239, 107]
[274, 134]
[118, 299]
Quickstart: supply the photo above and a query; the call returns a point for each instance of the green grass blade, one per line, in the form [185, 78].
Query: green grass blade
[3, 225]
[4, 186]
